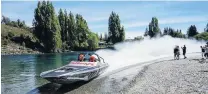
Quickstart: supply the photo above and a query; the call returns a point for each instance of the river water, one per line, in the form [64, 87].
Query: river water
[20, 73]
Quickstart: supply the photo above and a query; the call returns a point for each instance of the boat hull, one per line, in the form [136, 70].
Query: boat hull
[83, 76]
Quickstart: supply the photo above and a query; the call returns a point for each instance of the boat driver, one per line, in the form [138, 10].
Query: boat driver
[81, 57]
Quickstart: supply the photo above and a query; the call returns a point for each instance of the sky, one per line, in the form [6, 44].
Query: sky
[134, 15]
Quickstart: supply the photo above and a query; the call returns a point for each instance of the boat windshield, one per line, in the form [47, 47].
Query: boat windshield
[88, 58]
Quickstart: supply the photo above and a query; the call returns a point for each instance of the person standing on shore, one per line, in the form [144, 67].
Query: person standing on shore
[176, 52]
[203, 51]
[206, 51]
[184, 51]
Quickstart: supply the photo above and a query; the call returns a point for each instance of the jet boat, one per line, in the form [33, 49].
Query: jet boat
[76, 71]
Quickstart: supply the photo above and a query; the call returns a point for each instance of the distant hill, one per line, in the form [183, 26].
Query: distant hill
[18, 41]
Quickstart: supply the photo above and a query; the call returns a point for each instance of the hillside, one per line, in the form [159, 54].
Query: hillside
[18, 41]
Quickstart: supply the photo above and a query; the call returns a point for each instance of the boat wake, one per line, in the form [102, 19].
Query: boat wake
[29, 75]
[131, 53]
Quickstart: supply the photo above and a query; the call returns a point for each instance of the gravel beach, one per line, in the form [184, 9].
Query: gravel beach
[182, 76]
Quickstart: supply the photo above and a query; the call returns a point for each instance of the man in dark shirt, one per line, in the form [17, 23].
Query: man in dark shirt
[184, 51]
[203, 51]
[176, 52]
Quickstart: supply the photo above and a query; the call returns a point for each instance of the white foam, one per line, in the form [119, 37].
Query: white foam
[129, 53]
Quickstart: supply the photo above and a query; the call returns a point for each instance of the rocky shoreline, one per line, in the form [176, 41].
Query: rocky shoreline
[15, 49]
[173, 77]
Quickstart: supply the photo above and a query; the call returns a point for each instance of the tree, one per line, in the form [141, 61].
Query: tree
[116, 33]
[66, 19]
[202, 36]
[206, 29]
[101, 37]
[138, 38]
[61, 18]
[47, 28]
[192, 31]
[154, 29]
[146, 32]
[71, 39]
[171, 32]
[5, 20]
[166, 31]
[18, 22]
[93, 41]
[106, 37]
[122, 34]
[82, 31]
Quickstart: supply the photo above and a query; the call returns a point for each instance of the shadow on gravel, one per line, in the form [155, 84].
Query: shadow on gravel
[53, 88]
[204, 71]
[200, 60]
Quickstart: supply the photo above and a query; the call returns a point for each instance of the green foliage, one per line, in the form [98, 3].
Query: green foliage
[171, 32]
[154, 29]
[202, 36]
[206, 28]
[93, 41]
[82, 29]
[122, 34]
[10, 34]
[116, 33]
[101, 37]
[18, 23]
[106, 37]
[192, 31]
[61, 17]
[71, 37]
[75, 32]
[138, 38]
[5, 20]
[146, 32]
[64, 46]
[47, 28]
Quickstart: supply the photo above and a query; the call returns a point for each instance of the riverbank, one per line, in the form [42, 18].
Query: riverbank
[16, 49]
[173, 77]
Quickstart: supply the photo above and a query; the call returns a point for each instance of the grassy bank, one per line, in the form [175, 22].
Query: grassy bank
[18, 41]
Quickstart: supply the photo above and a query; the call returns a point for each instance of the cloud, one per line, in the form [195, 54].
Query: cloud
[170, 20]
[74, 10]
[96, 19]
[132, 34]
[183, 19]
[101, 26]
[135, 24]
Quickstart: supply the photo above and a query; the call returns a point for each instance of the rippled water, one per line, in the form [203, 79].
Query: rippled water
[20, 73]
